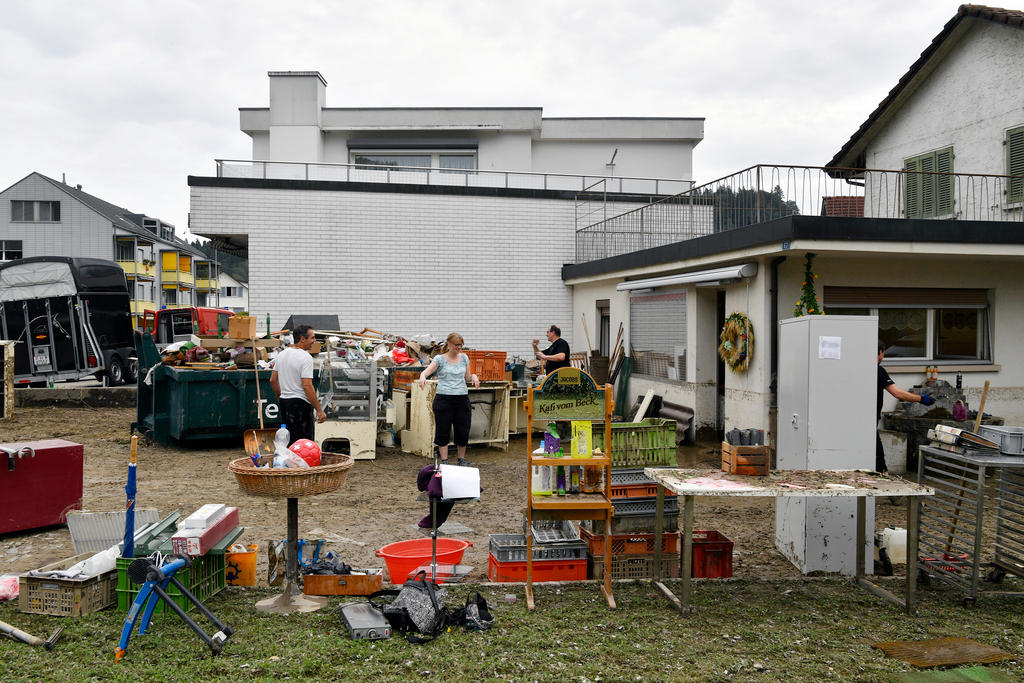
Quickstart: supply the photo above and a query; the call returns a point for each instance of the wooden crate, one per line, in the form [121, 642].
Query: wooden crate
[745, 459]
[66, 597]
[343, 584]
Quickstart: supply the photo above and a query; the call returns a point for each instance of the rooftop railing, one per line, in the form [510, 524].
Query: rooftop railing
[417, 175]
[762, 193]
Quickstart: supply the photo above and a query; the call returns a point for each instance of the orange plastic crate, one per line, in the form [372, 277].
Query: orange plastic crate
[637, 491]
[630, 544]
[487, 365]
[543, 570]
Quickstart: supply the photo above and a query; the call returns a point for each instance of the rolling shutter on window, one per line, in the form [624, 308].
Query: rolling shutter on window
[657, 321]
[1015, 164]
[905, 297]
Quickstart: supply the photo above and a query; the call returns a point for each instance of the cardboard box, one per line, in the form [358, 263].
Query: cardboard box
[241, 327]
[194, 542]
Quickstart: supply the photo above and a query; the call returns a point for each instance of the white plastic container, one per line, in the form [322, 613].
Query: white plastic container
[1010, 439]
[894, 540]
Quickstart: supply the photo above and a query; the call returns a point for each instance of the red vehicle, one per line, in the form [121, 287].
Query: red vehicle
[169, 325]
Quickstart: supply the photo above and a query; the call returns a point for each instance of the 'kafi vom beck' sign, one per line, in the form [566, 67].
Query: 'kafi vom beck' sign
[568, 394]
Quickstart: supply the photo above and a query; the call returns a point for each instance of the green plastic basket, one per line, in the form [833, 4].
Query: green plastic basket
[645, 443]
[204, 579]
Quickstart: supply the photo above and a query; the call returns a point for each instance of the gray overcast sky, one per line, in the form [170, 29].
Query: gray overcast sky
[128, 98]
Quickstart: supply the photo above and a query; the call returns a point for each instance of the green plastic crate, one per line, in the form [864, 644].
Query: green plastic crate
[646, 443]
[204, 579]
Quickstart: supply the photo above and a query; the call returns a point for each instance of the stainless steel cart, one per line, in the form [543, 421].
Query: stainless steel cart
[951, 521]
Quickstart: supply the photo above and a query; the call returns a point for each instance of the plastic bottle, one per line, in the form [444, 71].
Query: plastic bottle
[281, 440]
[959, 380]
[541, 481]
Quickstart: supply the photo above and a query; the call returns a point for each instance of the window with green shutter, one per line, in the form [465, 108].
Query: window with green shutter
[1015, 164]
[928, 184]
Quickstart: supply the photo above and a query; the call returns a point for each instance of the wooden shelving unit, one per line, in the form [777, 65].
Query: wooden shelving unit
[569, 394]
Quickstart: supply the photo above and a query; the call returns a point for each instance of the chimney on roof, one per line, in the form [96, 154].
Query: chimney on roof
[64, 178]
[78, 186]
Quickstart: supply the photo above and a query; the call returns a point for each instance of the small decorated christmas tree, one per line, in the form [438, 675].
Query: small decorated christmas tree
[808, 302]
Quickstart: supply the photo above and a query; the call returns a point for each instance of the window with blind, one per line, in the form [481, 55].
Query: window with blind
[922, 323]
[927, 192]
[1015, 164]
[657, 333]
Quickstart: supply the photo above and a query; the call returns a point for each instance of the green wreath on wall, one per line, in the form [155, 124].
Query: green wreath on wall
[737, 345]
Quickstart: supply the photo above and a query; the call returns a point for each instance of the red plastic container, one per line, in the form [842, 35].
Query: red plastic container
[712, 555]
[405, 556]
[543, 570]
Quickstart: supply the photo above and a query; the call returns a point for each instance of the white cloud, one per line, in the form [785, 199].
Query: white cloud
[129, 98]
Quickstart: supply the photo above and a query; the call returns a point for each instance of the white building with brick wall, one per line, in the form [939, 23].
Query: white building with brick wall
[415, 220]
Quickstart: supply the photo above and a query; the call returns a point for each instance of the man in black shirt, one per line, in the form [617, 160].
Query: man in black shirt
[885, 383]
[555, 356]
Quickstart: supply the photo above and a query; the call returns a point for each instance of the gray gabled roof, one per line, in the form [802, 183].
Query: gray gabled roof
[849, 155]
[119, 217]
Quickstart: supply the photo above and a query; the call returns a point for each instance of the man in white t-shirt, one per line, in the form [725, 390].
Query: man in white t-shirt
[292, 381]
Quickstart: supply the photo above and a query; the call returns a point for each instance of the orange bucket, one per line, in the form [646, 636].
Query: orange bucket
[240, 567]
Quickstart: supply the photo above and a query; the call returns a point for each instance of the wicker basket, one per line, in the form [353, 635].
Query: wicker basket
[290, 482]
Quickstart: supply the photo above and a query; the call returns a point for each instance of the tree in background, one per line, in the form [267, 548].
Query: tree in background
[743, 206]
[235, 266]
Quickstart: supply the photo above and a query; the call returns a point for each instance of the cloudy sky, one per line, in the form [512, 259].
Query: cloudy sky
[127, 98]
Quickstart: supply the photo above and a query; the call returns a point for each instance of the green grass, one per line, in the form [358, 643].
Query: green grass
[741, 630]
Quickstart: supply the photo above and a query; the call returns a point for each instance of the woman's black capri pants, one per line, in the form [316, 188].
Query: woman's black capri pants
[452, 410]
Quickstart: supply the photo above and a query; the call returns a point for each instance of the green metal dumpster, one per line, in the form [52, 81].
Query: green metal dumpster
[177, 404]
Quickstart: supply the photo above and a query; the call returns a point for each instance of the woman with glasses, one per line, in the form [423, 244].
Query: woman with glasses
[451, 404]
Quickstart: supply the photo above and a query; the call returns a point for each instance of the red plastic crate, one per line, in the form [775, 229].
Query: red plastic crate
[712, 555]
[543, 570]
[630, 544]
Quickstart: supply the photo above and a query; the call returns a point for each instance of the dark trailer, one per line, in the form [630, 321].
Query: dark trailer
[71, 318]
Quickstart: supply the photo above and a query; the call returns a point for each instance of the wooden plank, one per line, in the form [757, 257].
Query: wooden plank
[224, 343]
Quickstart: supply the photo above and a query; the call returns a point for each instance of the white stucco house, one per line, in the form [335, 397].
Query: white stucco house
[40, 216]
[917, 219]
[234, 294]
[415, 220]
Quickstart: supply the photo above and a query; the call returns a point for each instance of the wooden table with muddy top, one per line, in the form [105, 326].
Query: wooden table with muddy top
[783, 483]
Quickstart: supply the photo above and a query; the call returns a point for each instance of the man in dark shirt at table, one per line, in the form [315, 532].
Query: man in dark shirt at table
[555, 356]
[885, 383]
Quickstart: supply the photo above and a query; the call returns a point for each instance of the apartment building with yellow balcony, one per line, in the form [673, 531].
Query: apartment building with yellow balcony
[46, 217]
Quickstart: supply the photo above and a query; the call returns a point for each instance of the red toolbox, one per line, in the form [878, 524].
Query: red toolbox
[39, 482]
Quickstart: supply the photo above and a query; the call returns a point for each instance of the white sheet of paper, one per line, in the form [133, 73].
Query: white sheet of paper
[459, 482]
[830, 347]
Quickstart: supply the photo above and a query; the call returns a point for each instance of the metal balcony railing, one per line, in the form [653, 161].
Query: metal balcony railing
[415, 175]
[763, 193]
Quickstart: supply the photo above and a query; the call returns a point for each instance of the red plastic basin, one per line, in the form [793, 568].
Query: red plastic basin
[403, 557]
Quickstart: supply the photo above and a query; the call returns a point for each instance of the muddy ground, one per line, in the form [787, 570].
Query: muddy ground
[379, 503]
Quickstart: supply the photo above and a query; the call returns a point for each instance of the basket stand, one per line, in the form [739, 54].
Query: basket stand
[292, 599]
